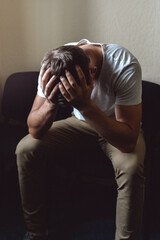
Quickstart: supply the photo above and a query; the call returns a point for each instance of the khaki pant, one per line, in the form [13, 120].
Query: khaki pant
[65, 140]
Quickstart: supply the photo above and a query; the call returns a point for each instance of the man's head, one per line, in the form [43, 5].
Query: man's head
[95, 55]
[65, 58]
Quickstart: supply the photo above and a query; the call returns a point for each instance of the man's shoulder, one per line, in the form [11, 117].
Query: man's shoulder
[118, 53]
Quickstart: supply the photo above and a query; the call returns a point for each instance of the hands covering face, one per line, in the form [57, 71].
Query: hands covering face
[46, 84]
[78, 95]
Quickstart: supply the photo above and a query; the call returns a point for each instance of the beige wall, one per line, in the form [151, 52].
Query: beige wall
[134, 24]
[29, 28]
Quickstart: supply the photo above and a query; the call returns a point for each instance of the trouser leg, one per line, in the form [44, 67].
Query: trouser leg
[65, 140]
[31, 172]
[129, 174]
[68, 138]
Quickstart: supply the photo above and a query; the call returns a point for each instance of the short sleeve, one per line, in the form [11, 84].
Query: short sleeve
[39, 91]
[128, 87]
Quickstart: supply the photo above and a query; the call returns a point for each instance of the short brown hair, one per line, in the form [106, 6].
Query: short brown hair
[65, 58]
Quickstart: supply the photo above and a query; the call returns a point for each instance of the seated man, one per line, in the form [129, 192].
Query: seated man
[102, 82]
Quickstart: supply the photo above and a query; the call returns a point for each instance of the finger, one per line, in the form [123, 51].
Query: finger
[64, 92]
[53, 95]
[42, 71]
[91, 82]
[71, 80]
[82, 78]
[67, 85]
[49, 85]
[45, 78]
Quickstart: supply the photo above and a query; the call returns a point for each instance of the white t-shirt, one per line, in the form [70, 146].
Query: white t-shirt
[119, 81]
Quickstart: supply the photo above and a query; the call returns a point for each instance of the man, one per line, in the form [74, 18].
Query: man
[107, 112]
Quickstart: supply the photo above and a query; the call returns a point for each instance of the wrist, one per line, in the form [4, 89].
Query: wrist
[51, 105]
[87, 108]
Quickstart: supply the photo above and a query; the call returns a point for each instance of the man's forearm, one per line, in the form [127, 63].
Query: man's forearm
[119, 134]
[40, 120]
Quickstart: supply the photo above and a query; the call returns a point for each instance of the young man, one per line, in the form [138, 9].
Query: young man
[107, 112]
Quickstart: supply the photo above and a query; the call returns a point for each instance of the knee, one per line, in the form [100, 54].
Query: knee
[131, 170]
[27, 146]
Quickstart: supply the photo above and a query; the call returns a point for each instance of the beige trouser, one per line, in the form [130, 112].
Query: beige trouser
[66, 140]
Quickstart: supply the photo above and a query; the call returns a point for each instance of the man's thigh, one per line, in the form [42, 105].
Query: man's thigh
[125, 161]
[70, 133]
[72, 144]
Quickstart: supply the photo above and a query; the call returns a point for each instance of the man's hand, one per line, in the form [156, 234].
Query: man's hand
[78, 95]
[47, 84]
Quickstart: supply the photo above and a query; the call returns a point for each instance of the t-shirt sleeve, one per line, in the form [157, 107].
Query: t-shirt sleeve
[128, 87]
[39, 91]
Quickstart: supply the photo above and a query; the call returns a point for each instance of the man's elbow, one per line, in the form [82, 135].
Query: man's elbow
[35, 134]
[128, 148]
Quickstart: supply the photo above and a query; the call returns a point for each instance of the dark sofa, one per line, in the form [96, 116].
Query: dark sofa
[19, 92]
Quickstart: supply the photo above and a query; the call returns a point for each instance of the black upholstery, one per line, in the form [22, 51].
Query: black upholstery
[151, 127]
[151, 109]
[19, 92]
